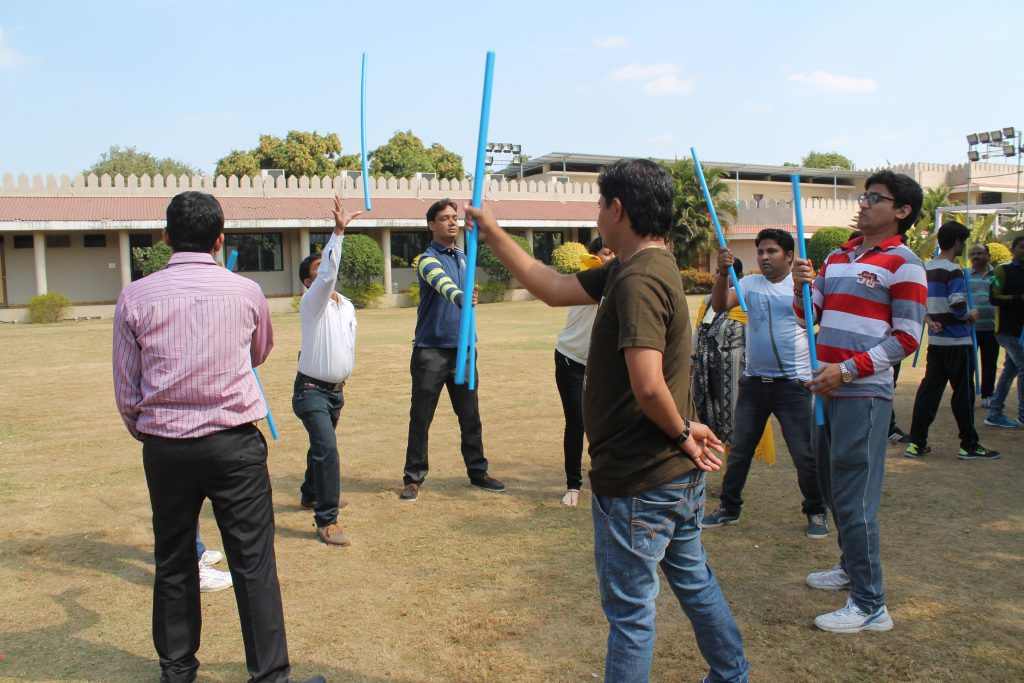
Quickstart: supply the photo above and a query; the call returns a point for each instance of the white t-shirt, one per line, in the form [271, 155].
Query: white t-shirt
[776, 344]
[574, 339]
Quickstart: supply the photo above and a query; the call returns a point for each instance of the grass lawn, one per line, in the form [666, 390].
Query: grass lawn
[466, 585]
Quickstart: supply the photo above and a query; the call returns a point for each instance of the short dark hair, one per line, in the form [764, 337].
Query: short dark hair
[780, 237]
[737, 265]
[952, 232]
[1016, 240]
[645, 190]
[438, 206]
[596, 245]
[194, 221]
[905, 192]
[307, 265]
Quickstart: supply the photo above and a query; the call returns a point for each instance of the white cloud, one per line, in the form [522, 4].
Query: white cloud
[661, 78]
[608, 42]
[826, 82]
[8, 57]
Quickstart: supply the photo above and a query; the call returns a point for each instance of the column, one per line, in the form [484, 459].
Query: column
[39, 251]
[124, 248]
[385, 246]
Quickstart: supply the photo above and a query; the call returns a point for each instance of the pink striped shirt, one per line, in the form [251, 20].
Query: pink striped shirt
[185, 341]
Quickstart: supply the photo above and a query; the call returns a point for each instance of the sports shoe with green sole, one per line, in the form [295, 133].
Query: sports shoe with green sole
[977, 452]
[915, 451]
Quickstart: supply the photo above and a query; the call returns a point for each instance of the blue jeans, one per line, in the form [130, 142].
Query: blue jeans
[632, 537]
[851, 448]
[1013, 367]
[319, 410]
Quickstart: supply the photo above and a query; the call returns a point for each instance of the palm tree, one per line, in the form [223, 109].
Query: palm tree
[693, 233]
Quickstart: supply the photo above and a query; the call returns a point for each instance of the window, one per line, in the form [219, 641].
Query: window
[544, 243]
[257, 251]
[23, 241]
[409, 245]
[95, 240]
[58, 241]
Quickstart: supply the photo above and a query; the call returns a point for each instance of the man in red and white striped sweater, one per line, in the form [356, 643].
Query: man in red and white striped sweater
[869, 302]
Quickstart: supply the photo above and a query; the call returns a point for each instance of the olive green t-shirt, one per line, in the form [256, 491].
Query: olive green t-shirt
[642, 304]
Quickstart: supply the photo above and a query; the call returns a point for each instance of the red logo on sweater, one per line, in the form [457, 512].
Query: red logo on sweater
[867, 278]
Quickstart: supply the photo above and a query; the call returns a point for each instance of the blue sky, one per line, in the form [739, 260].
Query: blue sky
[756, 82]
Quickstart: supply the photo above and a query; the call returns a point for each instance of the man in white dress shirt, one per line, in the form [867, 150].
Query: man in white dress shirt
[325, 362]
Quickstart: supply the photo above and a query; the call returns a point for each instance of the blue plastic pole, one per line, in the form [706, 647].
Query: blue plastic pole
[801, 241]
[230, 265]
[974, 337]
[467, 333]
[718, 227]
[362, 136]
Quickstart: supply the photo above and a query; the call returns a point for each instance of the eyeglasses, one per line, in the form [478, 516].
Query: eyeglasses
[874, 198]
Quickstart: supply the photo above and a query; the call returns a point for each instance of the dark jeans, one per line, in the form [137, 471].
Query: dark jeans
[952, 365]
[433, 370]
[319, 409]
[229, 468]
[569, 380]
[988, 349]
[790, 402]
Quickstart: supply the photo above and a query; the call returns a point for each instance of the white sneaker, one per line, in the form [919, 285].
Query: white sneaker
[851, 619]
[211, 557]
[829, 580]
[571, 498]
[212, 580]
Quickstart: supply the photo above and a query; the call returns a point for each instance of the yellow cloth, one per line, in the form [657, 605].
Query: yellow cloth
[765, 450]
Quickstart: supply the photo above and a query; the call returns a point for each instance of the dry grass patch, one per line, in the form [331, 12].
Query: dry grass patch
[466, 585]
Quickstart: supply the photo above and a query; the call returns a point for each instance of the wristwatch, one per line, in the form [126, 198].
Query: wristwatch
[844, 371]
[681, 439]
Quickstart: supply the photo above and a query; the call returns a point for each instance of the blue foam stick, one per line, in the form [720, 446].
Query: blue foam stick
[718, 227]
[230, 265]
[801, 242]
[467, 336]
[974, 338]
[362, 136]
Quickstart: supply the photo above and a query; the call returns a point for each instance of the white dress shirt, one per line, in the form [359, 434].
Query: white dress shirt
[328, 325]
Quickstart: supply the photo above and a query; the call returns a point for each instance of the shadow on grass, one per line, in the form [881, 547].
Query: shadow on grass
[86, 551]
[59, 652]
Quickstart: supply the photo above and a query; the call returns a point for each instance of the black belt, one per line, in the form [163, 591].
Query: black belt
[770, 380]
[330, 386]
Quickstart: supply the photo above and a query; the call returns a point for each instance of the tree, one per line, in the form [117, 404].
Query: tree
[363, 260]
[300, 153]
[495, 269]
[128, 161]
[693, 232]
[824, 241]
[404, 155]
[151, 259]
[826, 160]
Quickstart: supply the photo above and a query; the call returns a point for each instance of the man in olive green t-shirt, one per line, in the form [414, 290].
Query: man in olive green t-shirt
[648, 460]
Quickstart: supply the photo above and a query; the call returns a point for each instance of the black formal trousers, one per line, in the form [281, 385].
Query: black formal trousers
[433, 370]
[229, 468]
[946, 365]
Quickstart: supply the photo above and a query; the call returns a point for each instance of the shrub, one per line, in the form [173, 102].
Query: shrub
[494, 268]
[999, 252]
[566, 258]
[697, 281]
[362, 261]
[824, 241]
[366, 295]
[48, 308]
[151, 259]
[398, 262]
[492, 291]
[296, 302]
[413, 292]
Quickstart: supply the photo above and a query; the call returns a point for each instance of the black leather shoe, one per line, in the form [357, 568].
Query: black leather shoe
[487, 482]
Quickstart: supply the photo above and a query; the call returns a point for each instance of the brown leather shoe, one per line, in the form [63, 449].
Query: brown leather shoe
[332, 534]
[410, 493]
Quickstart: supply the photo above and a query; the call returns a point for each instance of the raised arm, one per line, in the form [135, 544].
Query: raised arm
[723, 297]
[551, 287]
[322, 288]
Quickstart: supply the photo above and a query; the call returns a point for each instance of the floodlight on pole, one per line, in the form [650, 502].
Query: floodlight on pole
[972, 139]
[1009, 132]
[983, 137]
[973, 155]
[996, 136]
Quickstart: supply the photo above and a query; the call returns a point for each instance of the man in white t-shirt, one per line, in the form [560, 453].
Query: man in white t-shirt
[325, 362]
[776, 368]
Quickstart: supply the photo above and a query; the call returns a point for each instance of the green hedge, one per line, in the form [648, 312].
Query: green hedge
[48, 308]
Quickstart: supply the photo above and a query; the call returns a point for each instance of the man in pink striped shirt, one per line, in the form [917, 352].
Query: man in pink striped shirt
[869, 302]
[185, 341]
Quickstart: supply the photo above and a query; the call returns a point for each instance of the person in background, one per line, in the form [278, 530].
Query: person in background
[571, 351]
[1008, 295]
[980, 277]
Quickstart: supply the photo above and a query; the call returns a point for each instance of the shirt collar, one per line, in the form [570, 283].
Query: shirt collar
[894, 241]
[202, 258]
[437, 246]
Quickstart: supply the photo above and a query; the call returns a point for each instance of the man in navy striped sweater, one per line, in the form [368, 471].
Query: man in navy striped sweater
[949, 350]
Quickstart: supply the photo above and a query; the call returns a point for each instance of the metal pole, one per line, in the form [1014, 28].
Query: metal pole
[1019, 150]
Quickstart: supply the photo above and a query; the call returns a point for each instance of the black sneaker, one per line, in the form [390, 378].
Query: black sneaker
[977, 452]
[897, 435]
[915, 451]
[487, 482]
[719, 517]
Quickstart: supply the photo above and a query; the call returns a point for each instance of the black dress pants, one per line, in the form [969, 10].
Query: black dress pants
[946, 365]
[229, 468]
[433, 370]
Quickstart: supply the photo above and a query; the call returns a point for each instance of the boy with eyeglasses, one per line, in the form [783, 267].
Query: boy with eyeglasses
[869, 300]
